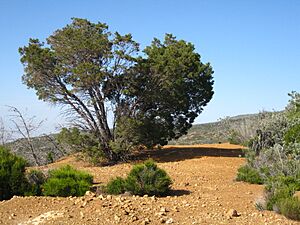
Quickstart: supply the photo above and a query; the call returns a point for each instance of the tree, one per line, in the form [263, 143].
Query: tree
[93, 73]
[5, 134]
[25, 127]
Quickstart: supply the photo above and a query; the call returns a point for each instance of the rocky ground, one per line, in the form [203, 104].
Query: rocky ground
[204, 192]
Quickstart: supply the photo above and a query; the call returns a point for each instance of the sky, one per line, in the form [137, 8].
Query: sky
[252, 45]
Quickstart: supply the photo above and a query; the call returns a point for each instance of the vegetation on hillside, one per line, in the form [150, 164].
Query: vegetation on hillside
[274, 159]
[236, 130]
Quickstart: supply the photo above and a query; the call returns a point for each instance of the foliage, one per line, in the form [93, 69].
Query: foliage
[85, 67]
[67, 181]
[116, 186]
[248, 174]
[76, 140]
[145, 178]
[275, 158]
[50, 158]
[275, 161]
[292, 135]
[290, 207]
[281, 187]
[238, 130]
[36, 179]
[12, 175]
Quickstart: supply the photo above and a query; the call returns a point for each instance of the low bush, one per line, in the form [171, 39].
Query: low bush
[36, 179]
[67, 181]
[248, 174]
[116, 186]
[278, 188]
[292, 135]
[12, 175]
[145, 178]
[290, 207]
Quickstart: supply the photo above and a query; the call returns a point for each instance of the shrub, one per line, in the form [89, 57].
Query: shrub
[280, 187]
[292, 135]
[12, 175]
[50, 158]
[116, 186]
[248, 174]
[73, 139]
[36, 179]
[67, 181]
[290, 207]
[147, 178]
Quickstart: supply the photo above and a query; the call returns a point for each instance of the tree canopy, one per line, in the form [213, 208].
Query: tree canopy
[154, 95]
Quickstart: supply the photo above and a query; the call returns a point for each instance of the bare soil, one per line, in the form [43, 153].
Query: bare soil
[204, 191]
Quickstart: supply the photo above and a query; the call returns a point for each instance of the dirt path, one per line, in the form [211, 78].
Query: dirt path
[204, 191]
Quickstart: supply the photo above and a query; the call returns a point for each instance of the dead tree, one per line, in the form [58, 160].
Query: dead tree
[5, 134]
[25, 127]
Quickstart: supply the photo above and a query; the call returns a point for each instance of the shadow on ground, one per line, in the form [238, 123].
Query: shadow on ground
[178, 154]
[178, 192]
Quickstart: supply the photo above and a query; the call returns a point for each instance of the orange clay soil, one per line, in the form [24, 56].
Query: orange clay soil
[204, 190]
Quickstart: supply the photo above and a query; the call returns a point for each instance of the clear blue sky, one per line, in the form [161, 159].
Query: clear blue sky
[253, 45]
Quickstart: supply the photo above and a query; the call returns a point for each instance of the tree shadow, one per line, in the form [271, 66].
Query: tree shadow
[175, 154]
[178, 192]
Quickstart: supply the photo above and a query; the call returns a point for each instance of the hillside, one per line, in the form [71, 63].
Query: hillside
[208, 133]
[221, 131]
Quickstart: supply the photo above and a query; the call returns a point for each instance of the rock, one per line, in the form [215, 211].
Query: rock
[176, 209]
[163, 220]
[169, 221]
[145, 221]
[90, 194]
[297, 194]
[186, 184]
[126, 194]
[134, 218]
[161, 214]
[117, 218]
[81, 215]
[109, 197]
[232, 213]
[101, 197]
[163, 209]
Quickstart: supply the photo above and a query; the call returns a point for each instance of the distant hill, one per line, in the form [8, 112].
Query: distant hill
[226, 130]
[208, 133]
[46, 148]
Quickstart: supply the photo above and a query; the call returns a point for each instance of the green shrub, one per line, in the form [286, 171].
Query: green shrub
[50, 158]
[290, 207]
[36, 179]
[12, 175]
[280, 187]
[73, 139]
[116, 186]
[274, 198]
[147, 178]
[248, 174]
[292, 135]
[67, 181]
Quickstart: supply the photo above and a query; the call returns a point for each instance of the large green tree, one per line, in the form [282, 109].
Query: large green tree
[153, 97]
